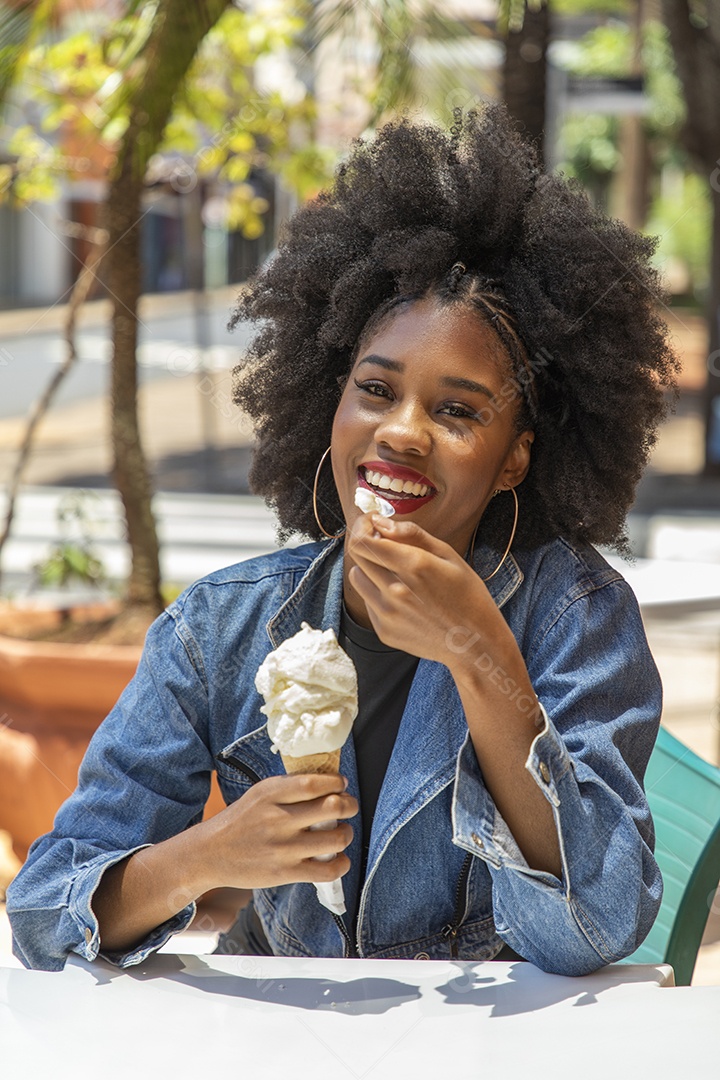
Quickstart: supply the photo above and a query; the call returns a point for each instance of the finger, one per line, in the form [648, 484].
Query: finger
[320, 843]
[390, 543]
[407, 532]
[361, 533]
[377, 573]
[316, 871]
[302, 787]
[384, 589]
[370, 593]
[329, 808]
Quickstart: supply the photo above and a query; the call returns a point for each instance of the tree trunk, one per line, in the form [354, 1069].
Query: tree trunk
[696, 49]
[633, 180]
[178, 30]
[524, 78]
[712, 389]
[130, 470]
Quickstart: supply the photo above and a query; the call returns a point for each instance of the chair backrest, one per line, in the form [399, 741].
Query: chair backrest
[684, 796]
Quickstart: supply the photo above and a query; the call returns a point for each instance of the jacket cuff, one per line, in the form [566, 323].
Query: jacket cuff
[80, 909]
[479, 827]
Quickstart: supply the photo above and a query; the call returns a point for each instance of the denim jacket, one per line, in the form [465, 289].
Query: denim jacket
[444, 876]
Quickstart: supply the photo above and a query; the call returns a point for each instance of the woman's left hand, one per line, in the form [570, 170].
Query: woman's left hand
[421, 596]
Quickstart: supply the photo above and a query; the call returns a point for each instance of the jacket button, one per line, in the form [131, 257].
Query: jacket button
[88, 935]
[421, 956]
[544, 772]
[477, 841]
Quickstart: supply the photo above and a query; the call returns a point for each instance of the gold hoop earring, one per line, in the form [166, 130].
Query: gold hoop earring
[330, 536]
[512, 534]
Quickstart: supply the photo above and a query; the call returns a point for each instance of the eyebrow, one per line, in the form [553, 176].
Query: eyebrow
[451, 381]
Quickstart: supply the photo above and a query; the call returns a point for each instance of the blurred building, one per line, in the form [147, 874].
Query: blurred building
[44, 245]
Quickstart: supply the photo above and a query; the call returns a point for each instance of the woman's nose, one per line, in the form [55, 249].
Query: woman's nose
[405, 428]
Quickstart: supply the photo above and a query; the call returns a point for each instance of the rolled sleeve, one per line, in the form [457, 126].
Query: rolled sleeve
[145, 777]
[601, 702]
[478, 825]
[80, 907]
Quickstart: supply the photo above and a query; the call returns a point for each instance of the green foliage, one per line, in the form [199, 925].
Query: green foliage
[394, 30]
[74, 557]
[667, 102]
[511, 13]
[590, 146]
[681, 218]
[80, 85]
[593, 7]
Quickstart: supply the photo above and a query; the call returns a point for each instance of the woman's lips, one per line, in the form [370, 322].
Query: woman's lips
[401, 502]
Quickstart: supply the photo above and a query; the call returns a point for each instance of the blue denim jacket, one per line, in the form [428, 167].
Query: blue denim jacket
[444, 877]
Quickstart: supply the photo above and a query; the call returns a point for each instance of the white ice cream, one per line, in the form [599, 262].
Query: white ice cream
[370, 503]
[310, 688]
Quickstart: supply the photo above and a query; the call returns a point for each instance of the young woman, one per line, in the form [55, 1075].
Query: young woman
[471, 340]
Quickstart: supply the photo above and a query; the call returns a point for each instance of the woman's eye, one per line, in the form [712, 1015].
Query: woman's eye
[460, 411]
[377, 389]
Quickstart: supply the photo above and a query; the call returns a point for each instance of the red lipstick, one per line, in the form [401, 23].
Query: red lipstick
[401, 504]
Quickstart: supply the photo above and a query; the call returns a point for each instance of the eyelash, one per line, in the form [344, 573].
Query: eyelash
[378, 389]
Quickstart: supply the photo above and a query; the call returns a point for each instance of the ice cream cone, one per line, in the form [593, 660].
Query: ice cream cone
[327, 763]
[310, 688]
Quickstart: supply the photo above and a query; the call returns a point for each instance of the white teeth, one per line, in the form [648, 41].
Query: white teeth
[394, 484]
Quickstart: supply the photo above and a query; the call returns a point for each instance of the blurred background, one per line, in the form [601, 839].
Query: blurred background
[150, 151]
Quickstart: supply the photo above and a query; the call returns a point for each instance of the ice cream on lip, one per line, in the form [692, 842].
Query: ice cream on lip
[404, 488]
[370, 503]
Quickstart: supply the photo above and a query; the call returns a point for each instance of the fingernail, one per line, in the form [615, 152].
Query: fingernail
[345, 782]
[381, 522]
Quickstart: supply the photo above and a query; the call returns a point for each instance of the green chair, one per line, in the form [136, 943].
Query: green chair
[684, 796]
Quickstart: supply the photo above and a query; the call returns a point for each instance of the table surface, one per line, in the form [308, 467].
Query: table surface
[671, 587]
[191, 1015]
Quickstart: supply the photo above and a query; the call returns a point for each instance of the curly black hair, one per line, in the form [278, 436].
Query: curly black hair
[465, 216]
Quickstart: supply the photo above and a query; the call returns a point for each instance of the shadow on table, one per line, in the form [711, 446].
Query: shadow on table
[527, 990]
[357, 997]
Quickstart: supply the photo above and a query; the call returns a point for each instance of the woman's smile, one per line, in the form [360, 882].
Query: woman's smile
[423, 421]
[405, 488]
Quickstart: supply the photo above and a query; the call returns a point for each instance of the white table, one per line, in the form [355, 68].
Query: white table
[180, 1016]
[671, 588]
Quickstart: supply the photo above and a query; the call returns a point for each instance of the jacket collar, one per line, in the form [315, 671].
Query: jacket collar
[317, 599]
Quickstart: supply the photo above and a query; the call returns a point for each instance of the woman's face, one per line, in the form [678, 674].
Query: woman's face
[427, 420]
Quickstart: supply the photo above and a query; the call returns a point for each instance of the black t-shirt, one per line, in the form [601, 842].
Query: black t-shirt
[384, 679]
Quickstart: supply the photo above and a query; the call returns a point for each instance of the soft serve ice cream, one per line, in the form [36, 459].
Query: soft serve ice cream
[310, 688]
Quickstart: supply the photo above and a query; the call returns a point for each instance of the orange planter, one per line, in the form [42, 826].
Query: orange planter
[52, 698]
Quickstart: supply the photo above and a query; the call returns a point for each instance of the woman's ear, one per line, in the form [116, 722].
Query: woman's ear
[517, 462]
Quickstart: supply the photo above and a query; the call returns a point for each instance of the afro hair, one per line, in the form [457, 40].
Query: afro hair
[574, 288]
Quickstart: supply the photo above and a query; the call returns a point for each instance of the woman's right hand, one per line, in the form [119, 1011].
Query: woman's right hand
[264, 839]
[261, 840]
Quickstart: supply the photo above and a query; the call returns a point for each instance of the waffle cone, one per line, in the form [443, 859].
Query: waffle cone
[313, 763]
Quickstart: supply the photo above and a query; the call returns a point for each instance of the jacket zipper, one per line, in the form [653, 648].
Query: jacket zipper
[349, 951]
[240, 766]
[451, 929]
